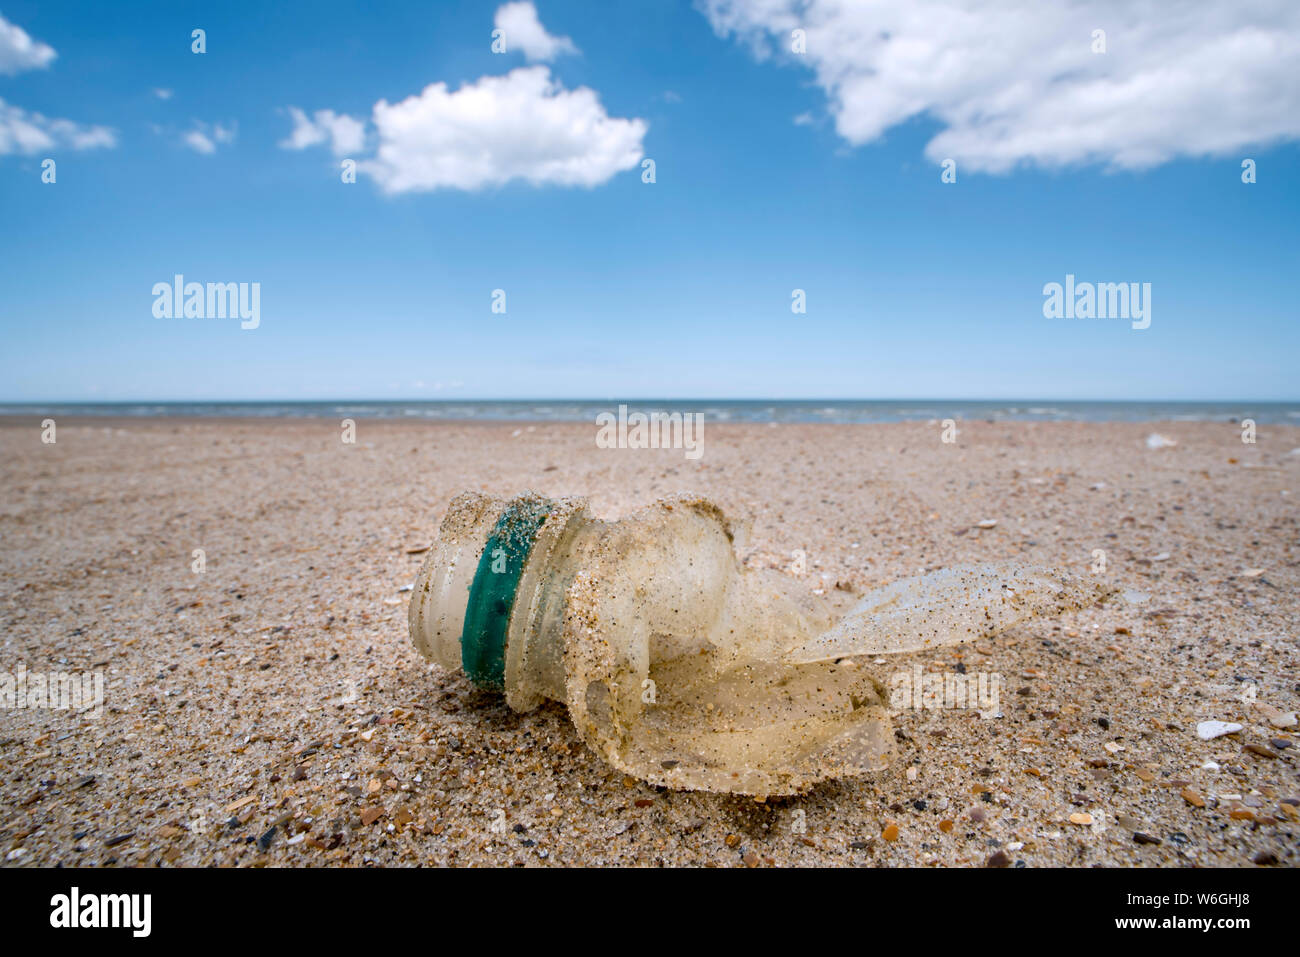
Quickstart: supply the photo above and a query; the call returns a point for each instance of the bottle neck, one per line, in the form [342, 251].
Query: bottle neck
[490, 598]
[534, 659]
[493, 592]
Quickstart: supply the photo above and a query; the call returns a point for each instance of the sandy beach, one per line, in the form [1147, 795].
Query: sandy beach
[271, 710]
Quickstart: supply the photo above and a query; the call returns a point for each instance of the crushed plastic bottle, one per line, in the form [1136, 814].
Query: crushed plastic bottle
[677, 664]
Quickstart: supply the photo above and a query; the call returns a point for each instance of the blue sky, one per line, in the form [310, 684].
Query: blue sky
[774, 171]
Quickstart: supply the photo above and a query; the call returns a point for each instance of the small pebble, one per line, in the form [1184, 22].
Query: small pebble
[1260, 750]
[1208, 730]
[1275, 716]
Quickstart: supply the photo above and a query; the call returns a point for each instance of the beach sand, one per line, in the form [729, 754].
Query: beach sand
[272, 710]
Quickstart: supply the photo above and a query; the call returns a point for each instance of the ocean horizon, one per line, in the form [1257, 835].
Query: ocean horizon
[834, 411]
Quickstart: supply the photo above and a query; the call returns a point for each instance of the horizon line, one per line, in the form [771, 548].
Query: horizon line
[636, 399]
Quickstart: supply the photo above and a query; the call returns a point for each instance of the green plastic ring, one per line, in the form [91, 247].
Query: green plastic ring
[492, 593]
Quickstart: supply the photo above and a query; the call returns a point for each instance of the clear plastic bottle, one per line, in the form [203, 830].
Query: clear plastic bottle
[677, 664]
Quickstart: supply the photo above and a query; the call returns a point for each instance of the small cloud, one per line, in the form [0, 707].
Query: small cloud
[671, 97]
[199, 142]
[204, 138]
[344, 133]
[804, 119]
[162, 94]
[27, 133]
[521, 126]
[19, 52]
[523, 31]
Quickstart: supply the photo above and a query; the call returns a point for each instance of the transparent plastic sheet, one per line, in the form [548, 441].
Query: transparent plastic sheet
[680, 666]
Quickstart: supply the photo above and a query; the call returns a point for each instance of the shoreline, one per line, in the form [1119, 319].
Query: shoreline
[717, 411]
[163, 421]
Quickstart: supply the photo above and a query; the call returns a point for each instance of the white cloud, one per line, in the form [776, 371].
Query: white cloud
[344, 133]
[1018, 82]
[205, 138]
[199, 142]
[27, 133]
[523, 31]
[162, 94]
[521, 126]
[19, 52]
